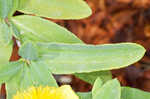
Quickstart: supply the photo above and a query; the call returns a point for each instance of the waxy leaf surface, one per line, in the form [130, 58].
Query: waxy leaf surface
[27, 75]
[82, 95]
[5, 33]
[8, 7]
[79, 58]
[5, 53]
[92, 76]
[56, 9]
[110, 90]
[9, 70]
[28, 51]
[97, 85]
[132, 93]
[40, 30]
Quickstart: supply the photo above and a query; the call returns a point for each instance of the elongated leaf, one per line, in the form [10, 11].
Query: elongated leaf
[41, 30]
[92, 76]
[56, 9]
[35, 32]
[79, 58]
[28, 51]
[8, 7]
[60, 36]
[132, 93]
[110, 90]
[82, 95]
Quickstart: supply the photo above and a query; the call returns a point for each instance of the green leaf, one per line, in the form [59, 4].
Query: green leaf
[13, 84]
[15, 5]
[5, 33]
[8, 7]
[5, 7]
[82, 95]
[110, 90]
[40, 30]
[132, 93]
[41, 75]
[92, 76]
[16, 32]
[9, 70]
[79, 58]
[34, 74]
[25, 79]
[97, 85]
[28, 51]
[5, 53]
[12, 88]
[56, 9]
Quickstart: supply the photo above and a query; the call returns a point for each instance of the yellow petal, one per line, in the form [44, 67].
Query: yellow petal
[63, 92]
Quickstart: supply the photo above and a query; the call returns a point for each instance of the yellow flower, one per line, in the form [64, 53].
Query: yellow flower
[63, 92]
